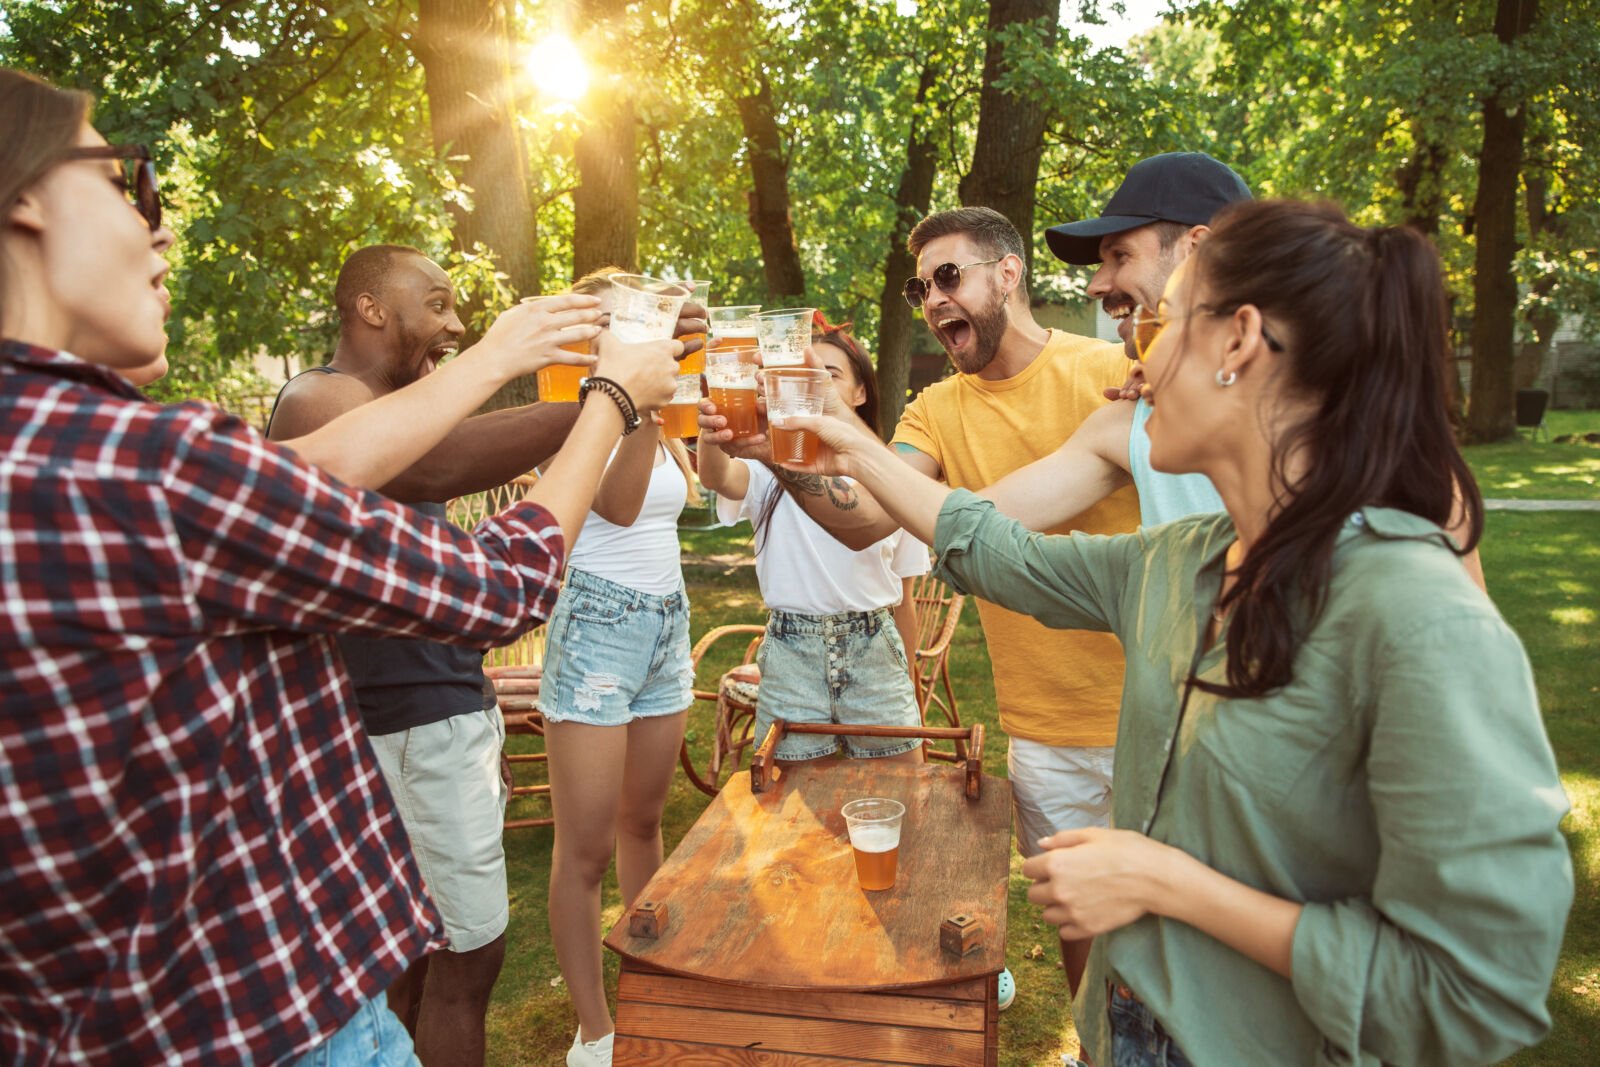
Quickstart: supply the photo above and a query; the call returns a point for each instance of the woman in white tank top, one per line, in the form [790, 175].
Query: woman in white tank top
[617, 683]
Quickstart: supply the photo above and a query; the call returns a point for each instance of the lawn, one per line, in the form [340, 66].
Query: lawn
[1544, 572]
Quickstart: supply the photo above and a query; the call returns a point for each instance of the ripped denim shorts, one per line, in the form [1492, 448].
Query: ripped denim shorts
[614, 654]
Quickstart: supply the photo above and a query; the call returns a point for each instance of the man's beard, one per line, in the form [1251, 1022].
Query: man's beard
[988, 329]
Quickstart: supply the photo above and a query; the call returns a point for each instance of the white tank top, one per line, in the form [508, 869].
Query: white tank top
[645, 556]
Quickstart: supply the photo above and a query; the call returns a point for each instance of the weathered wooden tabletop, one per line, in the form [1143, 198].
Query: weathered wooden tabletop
[763, 889]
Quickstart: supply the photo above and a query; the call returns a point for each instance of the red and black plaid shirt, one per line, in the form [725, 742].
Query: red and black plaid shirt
[201, 862]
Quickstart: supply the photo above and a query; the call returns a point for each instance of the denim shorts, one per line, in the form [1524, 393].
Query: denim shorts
[1137, 1039]
[373, 1037]
[614, 654]
[845, 668]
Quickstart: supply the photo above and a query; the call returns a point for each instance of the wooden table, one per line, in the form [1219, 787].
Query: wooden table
[754, 943]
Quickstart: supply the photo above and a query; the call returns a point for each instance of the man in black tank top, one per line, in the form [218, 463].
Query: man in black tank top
[427, 708]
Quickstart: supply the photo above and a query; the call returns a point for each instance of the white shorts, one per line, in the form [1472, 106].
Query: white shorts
[1057, 788]
[445, 777]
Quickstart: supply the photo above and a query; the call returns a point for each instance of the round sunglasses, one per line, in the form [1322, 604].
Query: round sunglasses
[947, 276]
[139, 176]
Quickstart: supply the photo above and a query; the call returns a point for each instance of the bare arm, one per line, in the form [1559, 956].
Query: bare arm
[717, 472]
[1089, 466]
[334, 421]
[627, 479]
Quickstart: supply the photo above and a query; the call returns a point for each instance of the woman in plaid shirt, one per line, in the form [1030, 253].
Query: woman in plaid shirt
[201, 861]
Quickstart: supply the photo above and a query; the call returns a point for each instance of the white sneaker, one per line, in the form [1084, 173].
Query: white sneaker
[590, 1053]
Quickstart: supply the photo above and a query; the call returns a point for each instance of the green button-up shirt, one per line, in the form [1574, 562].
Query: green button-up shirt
[1401, 787]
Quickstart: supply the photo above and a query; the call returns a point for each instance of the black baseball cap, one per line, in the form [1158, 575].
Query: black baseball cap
[1184, 187]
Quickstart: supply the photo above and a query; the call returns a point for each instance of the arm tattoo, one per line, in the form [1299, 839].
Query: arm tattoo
[840, 493]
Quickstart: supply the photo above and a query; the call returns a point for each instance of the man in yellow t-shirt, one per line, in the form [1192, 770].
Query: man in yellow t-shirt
[1020, 392]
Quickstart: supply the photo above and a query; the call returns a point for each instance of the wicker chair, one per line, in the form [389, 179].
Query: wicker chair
[515, 668]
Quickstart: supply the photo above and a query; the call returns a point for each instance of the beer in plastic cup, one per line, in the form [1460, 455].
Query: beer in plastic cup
[681, 418]
[645, 308]
[874, 827]
[784, 336]
[695, 362]
[794, 391]
[731, 380]
[558, 382]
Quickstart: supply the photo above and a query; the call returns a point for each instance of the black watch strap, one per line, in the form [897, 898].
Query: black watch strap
[630, 414]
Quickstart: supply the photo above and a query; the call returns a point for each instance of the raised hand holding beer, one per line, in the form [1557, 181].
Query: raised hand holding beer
[648, 370]
[531, 335]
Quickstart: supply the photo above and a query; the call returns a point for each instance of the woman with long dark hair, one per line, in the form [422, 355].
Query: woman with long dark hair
[1336, 820]
[841, 627]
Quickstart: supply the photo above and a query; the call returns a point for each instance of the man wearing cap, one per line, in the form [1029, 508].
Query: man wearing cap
[1151, 223]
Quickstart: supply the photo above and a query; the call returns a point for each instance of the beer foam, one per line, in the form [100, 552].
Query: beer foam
[875, 838]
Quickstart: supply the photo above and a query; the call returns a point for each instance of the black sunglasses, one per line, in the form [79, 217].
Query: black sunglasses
[947, 276]
[139, 176]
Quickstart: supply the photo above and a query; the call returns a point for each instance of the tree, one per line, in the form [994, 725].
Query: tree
[605, 204]
[1490, 415]
[1011, 123]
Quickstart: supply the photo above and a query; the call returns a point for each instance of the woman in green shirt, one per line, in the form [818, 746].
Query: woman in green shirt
[1336, 809]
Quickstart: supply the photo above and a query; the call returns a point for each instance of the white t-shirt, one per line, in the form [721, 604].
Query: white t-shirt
[804, 569]
[645, 556]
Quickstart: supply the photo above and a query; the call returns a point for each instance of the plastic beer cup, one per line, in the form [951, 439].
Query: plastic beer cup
[794, 391]
[645, 308]
[558, 382]
[874, 827]
[681, 418]
[734, 327]
[784, 336]
[731, 380]
[695, 362]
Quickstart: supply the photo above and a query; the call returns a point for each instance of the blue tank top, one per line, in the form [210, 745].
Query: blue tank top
[1164, 497]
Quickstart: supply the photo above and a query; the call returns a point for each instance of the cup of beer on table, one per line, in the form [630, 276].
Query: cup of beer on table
[794, 391]
[681, 417]
[874, 827]
[784, 335]
[731, 379]
[695, 362]
[645, 308]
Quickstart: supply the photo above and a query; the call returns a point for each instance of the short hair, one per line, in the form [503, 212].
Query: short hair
[364, 271]
[1169, 233]
[991, 231]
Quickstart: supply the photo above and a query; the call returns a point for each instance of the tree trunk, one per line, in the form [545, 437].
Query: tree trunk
[1490, 412]
[1421, 181]
[896, 322]
[466, 64]
[605, 205]
[769, 194]
[1005, 159]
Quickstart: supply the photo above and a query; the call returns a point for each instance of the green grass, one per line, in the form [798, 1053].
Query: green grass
[1542, 470]
[1544, 572]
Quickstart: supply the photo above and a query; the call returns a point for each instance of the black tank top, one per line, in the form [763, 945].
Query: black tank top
[405, 682]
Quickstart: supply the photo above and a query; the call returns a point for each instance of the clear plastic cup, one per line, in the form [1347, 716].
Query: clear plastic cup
[794, 391]
[874, 827]
[681, 418]
[645, 308]
[695, 362]
[731, 381]
[784, 336]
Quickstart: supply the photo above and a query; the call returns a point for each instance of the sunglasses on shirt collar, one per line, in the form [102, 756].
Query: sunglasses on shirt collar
[139, 176]
[947, 276]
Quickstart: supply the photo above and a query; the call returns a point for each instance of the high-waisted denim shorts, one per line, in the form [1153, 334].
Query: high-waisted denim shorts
[614, 654]
[844, 668]
[1137, 1038]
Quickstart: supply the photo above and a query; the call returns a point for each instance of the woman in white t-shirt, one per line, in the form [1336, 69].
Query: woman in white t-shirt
[616, 686]
[841, 621]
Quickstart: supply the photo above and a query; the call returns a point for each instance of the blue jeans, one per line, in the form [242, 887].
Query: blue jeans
[1137, 1039]
[845, 668]
[372, 1038]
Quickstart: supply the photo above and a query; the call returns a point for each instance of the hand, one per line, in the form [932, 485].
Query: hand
[1130, 389]
[714, 431]
[648, 371]
[1094, 880]
[691, 320]
[841, 441]
[528, 336]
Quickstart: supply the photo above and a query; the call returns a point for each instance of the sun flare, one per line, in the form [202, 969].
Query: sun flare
[557, 68]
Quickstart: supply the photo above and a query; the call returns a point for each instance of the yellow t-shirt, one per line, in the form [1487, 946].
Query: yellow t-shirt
[1056, 687]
